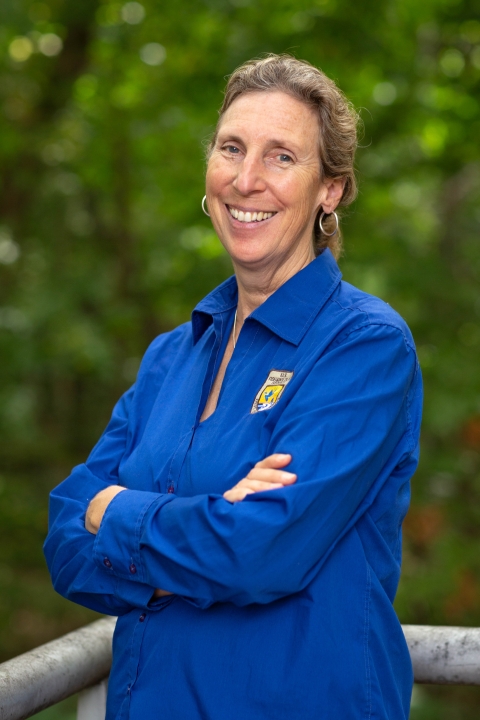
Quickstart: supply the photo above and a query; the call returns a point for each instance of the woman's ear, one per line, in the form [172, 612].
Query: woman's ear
[334, 190]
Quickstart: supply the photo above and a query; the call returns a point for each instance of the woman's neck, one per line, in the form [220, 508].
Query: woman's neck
[256, 284]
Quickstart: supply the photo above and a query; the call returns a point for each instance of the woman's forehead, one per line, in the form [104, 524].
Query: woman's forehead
[273, 115]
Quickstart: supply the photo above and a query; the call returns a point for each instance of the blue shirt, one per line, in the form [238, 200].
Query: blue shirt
[282, 604]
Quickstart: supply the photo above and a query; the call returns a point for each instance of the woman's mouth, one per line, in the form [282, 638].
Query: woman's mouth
[250, 216]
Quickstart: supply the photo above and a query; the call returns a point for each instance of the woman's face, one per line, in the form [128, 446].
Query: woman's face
[264, 184]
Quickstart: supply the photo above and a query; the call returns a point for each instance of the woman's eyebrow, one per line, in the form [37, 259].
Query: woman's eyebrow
[286, 144]
[223, 137]
[273, 143]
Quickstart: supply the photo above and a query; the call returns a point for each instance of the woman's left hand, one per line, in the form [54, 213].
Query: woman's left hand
[97, 507]
[265, 475]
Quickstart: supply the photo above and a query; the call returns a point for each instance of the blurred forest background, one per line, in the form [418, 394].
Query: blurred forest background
[104, 110]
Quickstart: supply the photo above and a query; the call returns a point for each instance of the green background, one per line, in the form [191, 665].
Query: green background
[104, 112]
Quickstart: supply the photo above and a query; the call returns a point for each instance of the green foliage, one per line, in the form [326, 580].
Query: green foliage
[104, 109]
[66, 710]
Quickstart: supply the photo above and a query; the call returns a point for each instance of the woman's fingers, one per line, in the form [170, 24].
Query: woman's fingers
[263, 480]
[269, 475]
[250, 485]
[266, 475]
[237, 493]
[277, 460]
[258, 485]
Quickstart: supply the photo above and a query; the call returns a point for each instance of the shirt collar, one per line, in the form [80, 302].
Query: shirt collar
[222, 299]
[289, 312]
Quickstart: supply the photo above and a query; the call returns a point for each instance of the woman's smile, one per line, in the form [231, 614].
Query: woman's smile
[249, 217]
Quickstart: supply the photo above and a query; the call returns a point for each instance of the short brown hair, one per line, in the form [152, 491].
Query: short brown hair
[337, 118]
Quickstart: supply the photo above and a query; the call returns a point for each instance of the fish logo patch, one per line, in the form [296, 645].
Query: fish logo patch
[271, 390]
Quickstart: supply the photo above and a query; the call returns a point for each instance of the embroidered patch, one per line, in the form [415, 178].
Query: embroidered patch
[271, 390]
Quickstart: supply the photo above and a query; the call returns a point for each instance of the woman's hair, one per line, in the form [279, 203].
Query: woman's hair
[337, 118]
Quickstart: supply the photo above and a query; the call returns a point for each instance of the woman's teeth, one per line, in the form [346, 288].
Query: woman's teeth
[248, 216]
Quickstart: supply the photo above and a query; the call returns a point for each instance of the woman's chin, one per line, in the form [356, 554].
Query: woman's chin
[250, 254]
[249, 247]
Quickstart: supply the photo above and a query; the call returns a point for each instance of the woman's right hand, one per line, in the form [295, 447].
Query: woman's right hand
[266, 475]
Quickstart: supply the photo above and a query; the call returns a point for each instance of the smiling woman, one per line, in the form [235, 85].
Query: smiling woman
[246, 590]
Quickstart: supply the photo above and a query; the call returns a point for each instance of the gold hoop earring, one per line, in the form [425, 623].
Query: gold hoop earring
[321, 226]
[203, 206]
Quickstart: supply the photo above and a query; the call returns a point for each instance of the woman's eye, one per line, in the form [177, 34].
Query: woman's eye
[285, 158]
[232, 149]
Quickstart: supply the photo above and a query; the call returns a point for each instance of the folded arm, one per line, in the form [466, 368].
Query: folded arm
[347, 429]
[266, 475]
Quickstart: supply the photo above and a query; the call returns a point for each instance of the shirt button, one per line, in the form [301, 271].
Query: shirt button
[170, 489]
[133, 569]
[107, 563]
[142, 617]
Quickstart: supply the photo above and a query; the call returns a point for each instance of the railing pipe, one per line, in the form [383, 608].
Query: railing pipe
[444, 655]
[43, 677]
[50, 673]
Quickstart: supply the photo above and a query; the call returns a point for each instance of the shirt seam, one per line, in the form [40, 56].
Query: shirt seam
[170, 476]
[408, 406]
[213, 378]
[212, 381]
[137, 534]
[347, 333]
[366, 644]
[353, 308]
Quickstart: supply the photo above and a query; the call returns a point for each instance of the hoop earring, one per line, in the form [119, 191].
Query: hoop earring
[321, 226]
[203, 206]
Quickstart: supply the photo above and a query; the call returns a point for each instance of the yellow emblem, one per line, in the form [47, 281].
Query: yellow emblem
[271, 390]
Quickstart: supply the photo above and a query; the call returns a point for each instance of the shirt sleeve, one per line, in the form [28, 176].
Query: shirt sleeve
[348, 427]
[69, 546]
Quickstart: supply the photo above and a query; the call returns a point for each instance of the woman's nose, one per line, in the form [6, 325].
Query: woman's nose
[250, 176]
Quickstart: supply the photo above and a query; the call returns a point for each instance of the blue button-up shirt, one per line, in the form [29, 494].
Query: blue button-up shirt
[282, 604]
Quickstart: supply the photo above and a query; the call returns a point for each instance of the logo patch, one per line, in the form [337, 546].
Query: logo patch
[271, 390]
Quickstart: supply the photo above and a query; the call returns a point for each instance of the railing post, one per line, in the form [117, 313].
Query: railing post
[92, 702]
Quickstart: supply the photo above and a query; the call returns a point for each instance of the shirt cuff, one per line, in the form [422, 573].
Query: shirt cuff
[117, 544]
[137, 595]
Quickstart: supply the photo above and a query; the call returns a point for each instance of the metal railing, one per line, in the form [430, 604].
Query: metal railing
[80, 661]
[77, 662]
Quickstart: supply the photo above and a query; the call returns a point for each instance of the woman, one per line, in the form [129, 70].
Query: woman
[242, 511]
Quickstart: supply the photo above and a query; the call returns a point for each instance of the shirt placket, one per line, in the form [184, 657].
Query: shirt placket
[212, 365]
